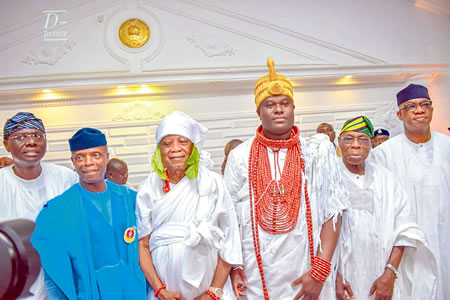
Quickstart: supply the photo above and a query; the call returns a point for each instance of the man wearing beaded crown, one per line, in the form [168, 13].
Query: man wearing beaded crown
[188, 232]
[289, 200]
[384, 242]
[420, 160]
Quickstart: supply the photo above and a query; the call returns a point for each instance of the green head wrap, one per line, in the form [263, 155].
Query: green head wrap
[192, 163]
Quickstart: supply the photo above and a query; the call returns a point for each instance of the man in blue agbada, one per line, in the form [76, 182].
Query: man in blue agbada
[86, 237]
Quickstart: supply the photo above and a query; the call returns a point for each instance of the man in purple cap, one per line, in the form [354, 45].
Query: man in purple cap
[420, 159]
[28, 183]
[86, 237]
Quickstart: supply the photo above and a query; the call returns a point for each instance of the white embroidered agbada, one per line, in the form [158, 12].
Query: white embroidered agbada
[381, 219]
[424, 172]
[22, 198]
[192, 224]
[285, 257]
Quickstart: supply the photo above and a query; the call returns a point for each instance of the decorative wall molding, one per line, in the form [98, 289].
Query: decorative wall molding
[101, 88]
[133, 57]
[199, 17]
[386, 113]
[138, 111]
[132, 139]
[211, 46]
[75, 12]
[35, 19]
[306, 38]
[49, 53]
[264, 28]
[173, 79]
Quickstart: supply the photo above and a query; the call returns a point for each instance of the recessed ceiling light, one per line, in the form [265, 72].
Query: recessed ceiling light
[144, 85]
[120, 86]
[349, 76]
[46, 91]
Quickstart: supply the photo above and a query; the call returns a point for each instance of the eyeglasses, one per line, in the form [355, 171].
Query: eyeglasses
[36, 136]
[363, 140]
[410, 107]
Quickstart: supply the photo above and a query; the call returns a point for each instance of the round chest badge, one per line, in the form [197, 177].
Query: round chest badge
[130, 234]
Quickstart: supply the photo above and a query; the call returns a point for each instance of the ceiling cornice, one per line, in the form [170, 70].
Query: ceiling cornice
[71, 89]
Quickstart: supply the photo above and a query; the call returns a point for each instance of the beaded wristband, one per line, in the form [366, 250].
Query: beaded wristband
[159, 290]
[210, 294]
[320, 269]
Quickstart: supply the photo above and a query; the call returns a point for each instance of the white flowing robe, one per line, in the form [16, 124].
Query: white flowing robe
[24, 199]
[190, 226]
[286, 257]
[424, 172]
[381, 219]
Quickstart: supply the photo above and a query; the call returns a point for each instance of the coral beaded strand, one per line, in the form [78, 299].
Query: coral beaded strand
[275, 205]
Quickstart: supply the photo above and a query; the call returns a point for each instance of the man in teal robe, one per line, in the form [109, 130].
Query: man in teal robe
[86, 236]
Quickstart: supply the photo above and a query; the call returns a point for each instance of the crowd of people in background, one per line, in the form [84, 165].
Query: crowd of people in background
[362, 215]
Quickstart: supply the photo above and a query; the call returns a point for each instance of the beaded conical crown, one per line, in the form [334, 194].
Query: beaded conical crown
[272, 84]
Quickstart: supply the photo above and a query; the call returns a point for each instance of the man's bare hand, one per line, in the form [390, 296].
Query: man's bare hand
[343, 290]
[383, 287]
[239, 282]
[167, 295]
[203, 296]
[311, 288]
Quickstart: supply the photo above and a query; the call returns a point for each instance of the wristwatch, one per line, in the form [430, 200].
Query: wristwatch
[394, 269]
[218, 292]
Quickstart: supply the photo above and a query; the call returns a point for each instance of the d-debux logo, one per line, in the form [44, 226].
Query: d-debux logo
[51, 22]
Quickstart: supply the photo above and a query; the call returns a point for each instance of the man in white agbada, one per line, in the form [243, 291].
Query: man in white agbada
[420, 159]
[384, 242]
[188, 232]
[289, 200]
[29, 183]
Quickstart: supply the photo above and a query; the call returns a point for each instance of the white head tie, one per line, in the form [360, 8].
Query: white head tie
[178, 123]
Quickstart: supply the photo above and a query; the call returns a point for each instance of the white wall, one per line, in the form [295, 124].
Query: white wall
[204, 57]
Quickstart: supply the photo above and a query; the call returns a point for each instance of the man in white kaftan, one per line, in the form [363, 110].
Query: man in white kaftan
[420, 160]
[381, 225]
[24, 198]
[29, 183]
[286, 257]
[192, 223]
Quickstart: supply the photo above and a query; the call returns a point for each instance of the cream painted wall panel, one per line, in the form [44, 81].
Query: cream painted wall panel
[392, 31]
[55, 146]
[128, 131]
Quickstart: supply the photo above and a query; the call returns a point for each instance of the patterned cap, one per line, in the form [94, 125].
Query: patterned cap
[272, 84]
[359, 124]
[20, 121]
[381, 131]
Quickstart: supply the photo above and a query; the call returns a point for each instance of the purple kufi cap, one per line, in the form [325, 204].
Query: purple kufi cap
[412, 91]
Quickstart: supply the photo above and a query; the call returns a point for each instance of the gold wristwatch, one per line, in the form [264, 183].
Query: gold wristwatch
[218, 292]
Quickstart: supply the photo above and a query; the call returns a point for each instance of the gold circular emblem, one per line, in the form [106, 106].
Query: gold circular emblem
[134, 33]
[130, 234]
[275, 88]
